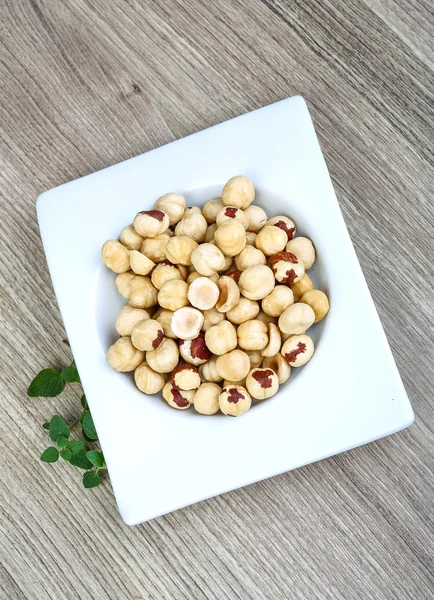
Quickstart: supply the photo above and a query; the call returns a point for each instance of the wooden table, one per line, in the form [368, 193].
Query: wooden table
[88, 83]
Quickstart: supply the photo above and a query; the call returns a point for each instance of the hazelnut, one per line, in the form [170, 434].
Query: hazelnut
[256, 282]
[209, 235]
[155, 248]
[203, 293]
[208, 371]
[191, 210]
[287, 268]
[255, 358]
[207, 259]
[228, 264]
[271, 240]
[318, 301]
[187, 322]
[140, 264]
[262, 383]
[122, 356]
[242, 382]
[179, 249]
[297, 318]
[165, 357]
[229, 294]
[183, 270]
[234, 401]
[303, 285]
[206, 399]
[230, 237]
[244, 311]
[164, 317]
[150, 223]
[115, 256]
[194, 351]
[180, 399]
[279, 365]
[251, 238]
[193, 225]
[234, 365]
[164, 272]
[173, 294]
[280, 298]
[252, 335]
[298, 350]
[211, 317]
[262, 316]
[211, 208]
[235, 275]
[283, 223]
[257, 218]
[221, 338]
[128, 317]
[173, 205]
[249, 257]
[147, 380]
[274, 341]
[239, 192]
[303, 248]
[143, 293]
[232, 212]
[123, 281]
[130, 238]
[185, 377]
[147, 334]
[195, 275]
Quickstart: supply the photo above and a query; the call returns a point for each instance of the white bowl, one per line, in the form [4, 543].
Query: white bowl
[349, 394]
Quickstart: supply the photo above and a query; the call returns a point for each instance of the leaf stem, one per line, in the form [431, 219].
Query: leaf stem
[74, 423]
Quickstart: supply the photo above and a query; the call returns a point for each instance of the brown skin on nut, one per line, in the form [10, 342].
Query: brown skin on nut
[155, 214]
[291, 356]
[235, 275]
[158, 339]
[264, 378]
[178, 369]
[178, 398]
[235, 395]
[284, 226]
[231, 212]
[198, 348]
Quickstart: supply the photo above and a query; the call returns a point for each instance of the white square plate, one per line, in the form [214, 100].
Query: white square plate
[349, 394]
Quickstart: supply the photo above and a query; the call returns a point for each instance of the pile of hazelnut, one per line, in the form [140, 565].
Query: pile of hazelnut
[219, 301]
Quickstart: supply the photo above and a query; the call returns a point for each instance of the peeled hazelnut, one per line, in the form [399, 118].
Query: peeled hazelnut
[185, 377]
[287, 268]
[298, 350]
[173, 205]
[303, 248]
[194, 351]
[244, 311]
[180, 399]
[206, 399]
[115, 256]
[155, 248]
[230, 237]
[249, 257]
[255, 358]
[262, 383]
[252, 335]
[123, 281]
[211, 208]
[164, 272]
[208, 371]
[229, 294]
[147, 335]
[179, 249]
[251, 238]
[127, 318]
[232, 212]
[150, 223]
[130, 238]
[303, 285]
[234, 365]
[279, 365]
[271, 240]
[256, 282]
[234, 401]
[257, 218]
[267, 319]
[209, 235]
[211, 317]
[203, 293]
[165, 357]
[297, 318]
[283, 223]
[191, 210]
[274, 341]
[280, 298]
[173, 294]
[143, 293]
[164, 317]
[228, 264]
[221, 338]
[187, 322]
[195, 275]
[207, 259]
[123, 357]
[147, 380]
[239, 192]
[194, 226]
[140, 264]
[318, 301]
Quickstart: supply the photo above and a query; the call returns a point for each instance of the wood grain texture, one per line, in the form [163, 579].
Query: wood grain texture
[88, 83]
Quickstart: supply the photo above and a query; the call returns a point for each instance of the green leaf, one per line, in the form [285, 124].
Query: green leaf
[96, 458]
[80, 460]
[58, 427]
[46, 425]
[61, 441]
[91, 479]
[89, 427]
[70, 374]
[47, 383]
[75, 446]
[66, 454]
[50, 454]
[83, 401]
